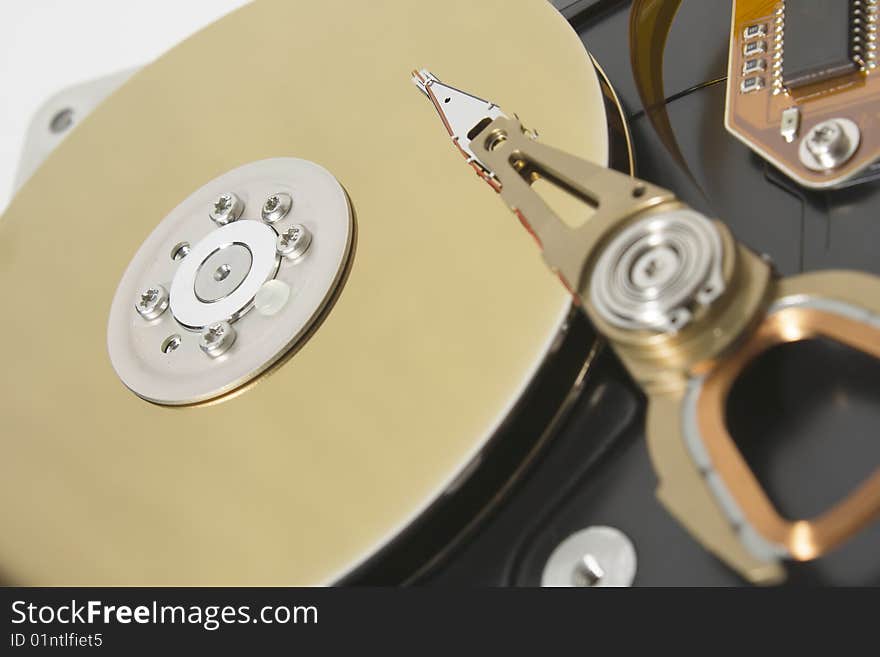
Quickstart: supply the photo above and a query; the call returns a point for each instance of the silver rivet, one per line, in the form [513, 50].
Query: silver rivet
[592, 557]
[294, 242]
[217, 339]
[276, 207]
[180, 251]
[171, 343]
[829, 144]
[152, 302]
[226, 208]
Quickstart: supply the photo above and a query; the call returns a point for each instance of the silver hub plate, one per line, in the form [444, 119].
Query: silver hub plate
[222, 274]
[224, 271]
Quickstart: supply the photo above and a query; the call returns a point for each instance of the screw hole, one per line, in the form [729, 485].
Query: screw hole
[171, 343]
[180, 251]
[639, 191]
[61, 121]
[222, 273]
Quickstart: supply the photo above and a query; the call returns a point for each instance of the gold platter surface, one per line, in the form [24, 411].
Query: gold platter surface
[446, 313]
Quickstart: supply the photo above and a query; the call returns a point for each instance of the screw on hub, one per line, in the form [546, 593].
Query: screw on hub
[217, 339]
[152, 302]
[294, 242]
[226, 208]
[276, 207]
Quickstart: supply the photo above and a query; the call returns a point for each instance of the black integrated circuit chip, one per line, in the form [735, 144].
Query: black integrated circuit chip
[817, 42]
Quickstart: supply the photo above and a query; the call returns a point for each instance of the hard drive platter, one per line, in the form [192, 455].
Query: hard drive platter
[266, 326]
[299, 476]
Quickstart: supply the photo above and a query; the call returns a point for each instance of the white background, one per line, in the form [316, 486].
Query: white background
[47, 45]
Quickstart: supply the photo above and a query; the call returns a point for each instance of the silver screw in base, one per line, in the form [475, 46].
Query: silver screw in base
[226, 208]
[217, 339]
[587, 572]
[294, 242]
[152, 302]
[592, 557]
[276, 207]
[829, 144]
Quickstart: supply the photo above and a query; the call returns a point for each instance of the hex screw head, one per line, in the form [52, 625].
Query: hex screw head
[217, 338]
[226, 208]
[276, 207]
[294, 242]
[152, 302]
